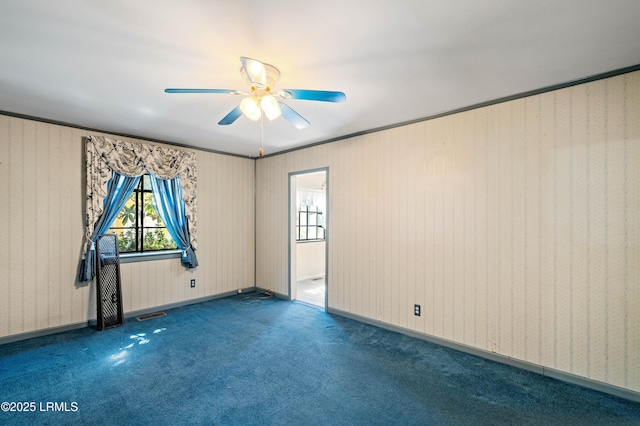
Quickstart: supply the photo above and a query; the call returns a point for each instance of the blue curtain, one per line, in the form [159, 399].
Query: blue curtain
[167, 194]
[119, 189]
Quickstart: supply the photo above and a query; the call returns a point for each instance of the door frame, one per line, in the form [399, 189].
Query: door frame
[292, 270]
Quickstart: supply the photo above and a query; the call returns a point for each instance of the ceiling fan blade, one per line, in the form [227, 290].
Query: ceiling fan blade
[231, 117]
[293, 117]
[232, 92]
[255, 71]
[313, 95]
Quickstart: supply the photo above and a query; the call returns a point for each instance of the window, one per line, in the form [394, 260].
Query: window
[309, 224]
[138, 225]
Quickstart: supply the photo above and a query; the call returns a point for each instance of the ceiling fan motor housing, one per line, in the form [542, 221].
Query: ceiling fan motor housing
[272, 77]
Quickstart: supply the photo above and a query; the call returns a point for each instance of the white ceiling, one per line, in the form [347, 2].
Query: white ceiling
[316, 181]
[104, 64]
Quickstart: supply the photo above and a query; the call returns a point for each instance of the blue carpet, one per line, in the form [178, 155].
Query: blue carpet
[267, 361]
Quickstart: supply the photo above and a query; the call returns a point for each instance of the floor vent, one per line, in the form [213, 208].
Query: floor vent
[149, 316]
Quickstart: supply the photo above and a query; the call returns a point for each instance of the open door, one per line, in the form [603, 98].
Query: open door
[308, 236]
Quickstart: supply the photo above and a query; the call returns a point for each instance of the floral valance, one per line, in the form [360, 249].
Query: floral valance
[105, 155]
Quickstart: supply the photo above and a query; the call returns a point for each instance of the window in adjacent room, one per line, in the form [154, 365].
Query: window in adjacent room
[138, 225]
[309, 224]
[310, 220]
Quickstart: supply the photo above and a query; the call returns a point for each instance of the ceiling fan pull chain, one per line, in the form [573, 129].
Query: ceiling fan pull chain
[261, 151]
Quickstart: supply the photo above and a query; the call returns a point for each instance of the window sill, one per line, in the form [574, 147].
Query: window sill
[156, 255]
[317, 240]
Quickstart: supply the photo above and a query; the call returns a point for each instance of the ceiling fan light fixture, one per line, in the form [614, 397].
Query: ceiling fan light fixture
[270, 107]
[251, 108]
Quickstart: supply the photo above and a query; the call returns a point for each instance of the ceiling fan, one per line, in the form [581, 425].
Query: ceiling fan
[262, 100]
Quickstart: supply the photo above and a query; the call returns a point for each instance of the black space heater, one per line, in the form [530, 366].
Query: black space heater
[108, 290]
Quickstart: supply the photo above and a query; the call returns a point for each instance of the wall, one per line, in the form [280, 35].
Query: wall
[310, 260]
[516, 227]
[41, 229]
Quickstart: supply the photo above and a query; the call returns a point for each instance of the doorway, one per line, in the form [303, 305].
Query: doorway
[308, 219]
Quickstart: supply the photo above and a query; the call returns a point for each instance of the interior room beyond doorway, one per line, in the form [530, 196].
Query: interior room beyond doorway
[310, 234]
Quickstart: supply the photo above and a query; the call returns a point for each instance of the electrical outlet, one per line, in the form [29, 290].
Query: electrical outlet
[193, 283]
[416, 310]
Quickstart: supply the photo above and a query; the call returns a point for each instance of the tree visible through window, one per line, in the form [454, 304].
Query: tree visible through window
[138, 226]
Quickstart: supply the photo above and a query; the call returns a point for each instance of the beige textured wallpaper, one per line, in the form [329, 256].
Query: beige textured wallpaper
[41, 227]
[516, 227]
